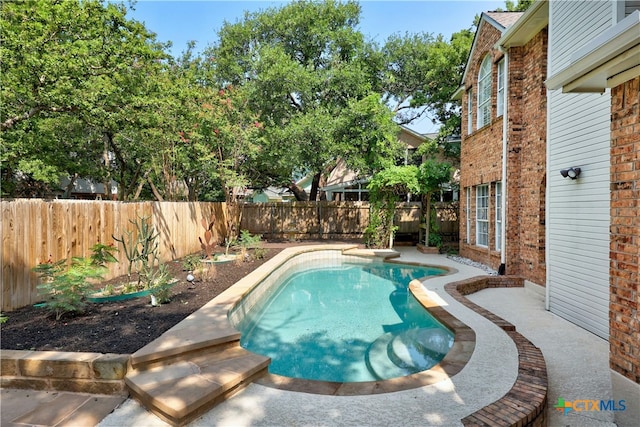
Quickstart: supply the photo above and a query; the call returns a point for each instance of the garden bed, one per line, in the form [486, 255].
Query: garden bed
[121, 326]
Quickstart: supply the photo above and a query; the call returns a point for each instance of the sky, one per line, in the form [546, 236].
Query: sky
[181, 21]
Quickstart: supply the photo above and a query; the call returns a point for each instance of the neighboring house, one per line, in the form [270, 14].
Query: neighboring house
[344, 184]
[270, 194]
[88, 190]
[579, 217]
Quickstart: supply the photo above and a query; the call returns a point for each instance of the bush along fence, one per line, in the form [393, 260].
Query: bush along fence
[36, 231]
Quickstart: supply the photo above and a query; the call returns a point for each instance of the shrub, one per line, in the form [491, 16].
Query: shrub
[65, 287]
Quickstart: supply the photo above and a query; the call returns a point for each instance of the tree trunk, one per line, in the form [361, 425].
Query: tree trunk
[298, 192]
[427, 215]
[315, 184]
[69, 188]
[155, 191]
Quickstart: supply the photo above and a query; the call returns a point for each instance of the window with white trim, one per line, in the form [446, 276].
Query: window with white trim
[498, 216]
[468, 213]
[500, 94]
[482, 215]
[484, 93]
[469, 111]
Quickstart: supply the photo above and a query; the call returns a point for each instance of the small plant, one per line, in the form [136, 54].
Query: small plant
[142, 253]
[259, 253]
[248, 240]
[228, 243]
[3, 318]
[108, 290]
[191, 262]
[207, 245]
[161, 288]
[65, 287]
[206, 271]
[129, 288]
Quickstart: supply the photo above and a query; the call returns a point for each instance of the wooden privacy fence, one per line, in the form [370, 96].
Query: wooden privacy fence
[320, 220]
[35, 230]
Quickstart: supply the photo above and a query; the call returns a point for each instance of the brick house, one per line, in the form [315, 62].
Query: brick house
[571, 107]
[504, 111]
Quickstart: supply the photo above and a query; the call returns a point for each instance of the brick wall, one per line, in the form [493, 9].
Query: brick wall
[481, 152]
[624, 274]
[481, 157]
[526, 162]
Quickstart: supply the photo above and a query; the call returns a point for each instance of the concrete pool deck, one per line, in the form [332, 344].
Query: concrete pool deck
[577, 362]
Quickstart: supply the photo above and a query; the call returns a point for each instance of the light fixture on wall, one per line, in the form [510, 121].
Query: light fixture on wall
[572, 173]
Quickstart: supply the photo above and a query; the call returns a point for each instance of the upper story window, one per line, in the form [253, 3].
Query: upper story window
[501, 77]
[484, 93]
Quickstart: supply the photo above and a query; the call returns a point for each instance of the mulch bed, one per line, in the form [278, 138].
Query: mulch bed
[123, 326]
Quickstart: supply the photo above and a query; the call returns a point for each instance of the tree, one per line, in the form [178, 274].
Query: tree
[75, 65]
[304, 66]
[431, 175]
[385, 189]
[519, 6]
[421, 75]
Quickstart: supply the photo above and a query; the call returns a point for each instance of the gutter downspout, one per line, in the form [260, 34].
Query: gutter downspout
[547, 291]
[505, 127]
[547, 215]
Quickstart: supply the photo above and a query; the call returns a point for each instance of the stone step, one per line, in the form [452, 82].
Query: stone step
[185, 388]
[178, 342]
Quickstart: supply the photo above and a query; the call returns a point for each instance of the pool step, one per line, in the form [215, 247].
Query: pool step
[405, 353]
[182, 388]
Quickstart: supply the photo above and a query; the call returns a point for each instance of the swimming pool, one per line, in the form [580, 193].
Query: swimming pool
[344, 319]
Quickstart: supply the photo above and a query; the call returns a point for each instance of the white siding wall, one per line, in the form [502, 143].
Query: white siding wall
[578, 210]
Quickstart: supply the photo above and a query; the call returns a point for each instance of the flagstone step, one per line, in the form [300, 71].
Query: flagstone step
[177, 342]
[181, 390]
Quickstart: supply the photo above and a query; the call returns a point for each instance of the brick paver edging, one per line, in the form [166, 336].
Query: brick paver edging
[526, 403]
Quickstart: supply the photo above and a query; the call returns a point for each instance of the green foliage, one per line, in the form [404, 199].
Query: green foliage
[385, 189]
[519, 6]
[311, 78]
[431, 175]
[66, 287]
[75, 75]
[284, 91]
[421, 73]
[248, 240]
[160, 284]
[191, 262]
[140, 246]
[435, 239]
[3, 318]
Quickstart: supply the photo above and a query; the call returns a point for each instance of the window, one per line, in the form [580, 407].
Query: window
[469, 111]
[484, 93]
[500, 88]
[482, 215]
[498, 216]
[468, 213]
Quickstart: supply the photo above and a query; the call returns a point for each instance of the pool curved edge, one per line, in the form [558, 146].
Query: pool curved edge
[453, 362]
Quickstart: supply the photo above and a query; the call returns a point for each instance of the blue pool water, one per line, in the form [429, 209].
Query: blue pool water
[349, 322]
